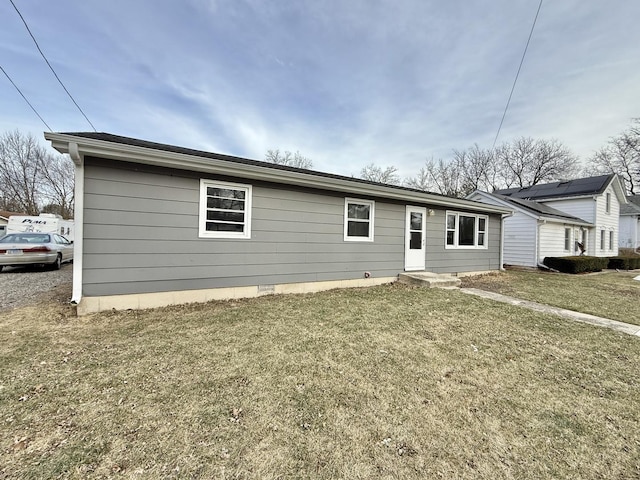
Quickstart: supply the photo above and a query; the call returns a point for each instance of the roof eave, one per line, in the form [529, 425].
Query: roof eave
[567, 221]
[574, 197]
[182, 161]
[531, 213]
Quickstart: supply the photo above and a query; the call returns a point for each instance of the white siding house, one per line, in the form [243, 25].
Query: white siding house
[603, 211]
[535, 230]
[629, 234]
[595, 201]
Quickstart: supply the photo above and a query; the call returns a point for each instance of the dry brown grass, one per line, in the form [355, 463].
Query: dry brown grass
[389, 382]
[614, 295]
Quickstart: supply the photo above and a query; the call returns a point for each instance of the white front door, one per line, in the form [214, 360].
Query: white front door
[414, 238]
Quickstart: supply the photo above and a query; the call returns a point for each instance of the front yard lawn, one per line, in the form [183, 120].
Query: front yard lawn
[390, 382]
[614, 295]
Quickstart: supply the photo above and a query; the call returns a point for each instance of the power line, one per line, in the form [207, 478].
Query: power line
[25, 99]
[517, 74]
[52, 70]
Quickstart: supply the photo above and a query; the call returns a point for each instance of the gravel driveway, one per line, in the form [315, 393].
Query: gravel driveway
[19, 286]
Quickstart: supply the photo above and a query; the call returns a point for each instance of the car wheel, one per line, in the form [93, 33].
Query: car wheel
[57, 264]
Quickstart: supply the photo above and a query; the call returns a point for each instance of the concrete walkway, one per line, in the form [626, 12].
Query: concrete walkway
[570, 314]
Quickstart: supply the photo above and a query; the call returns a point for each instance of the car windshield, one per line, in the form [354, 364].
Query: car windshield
[25, 238]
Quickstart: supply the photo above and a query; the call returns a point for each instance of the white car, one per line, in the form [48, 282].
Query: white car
[49, 249]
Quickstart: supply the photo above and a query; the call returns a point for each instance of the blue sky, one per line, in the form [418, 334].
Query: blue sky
[347, 83]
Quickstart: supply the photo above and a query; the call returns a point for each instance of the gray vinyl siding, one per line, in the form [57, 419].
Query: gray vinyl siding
[141, 235]
[457, 260]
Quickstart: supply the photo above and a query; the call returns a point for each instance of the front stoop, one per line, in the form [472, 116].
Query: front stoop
[429, 279]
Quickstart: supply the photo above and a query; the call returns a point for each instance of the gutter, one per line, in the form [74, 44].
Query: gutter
[162, 158]
[78, 242]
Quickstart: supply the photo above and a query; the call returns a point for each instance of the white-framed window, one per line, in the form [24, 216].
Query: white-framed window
[602, 239]
[225, 210]
[567, 239]
[608, 202]
[610, 239]
[466, 230]
[358, 220]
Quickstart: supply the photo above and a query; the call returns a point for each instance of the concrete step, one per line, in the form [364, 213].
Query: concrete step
[429, 279]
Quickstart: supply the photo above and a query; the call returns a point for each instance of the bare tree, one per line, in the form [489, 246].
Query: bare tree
[478, 169]
[20, 172]
[526, 162]
[622, 156]
[32, 180]
[58, 185]
[523, 162]
[422, 181]
[440, 177]
[373, 173]
[289, 159]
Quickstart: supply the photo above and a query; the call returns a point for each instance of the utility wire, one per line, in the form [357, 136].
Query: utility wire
[517, 75]
[25, 99]
[52, 70]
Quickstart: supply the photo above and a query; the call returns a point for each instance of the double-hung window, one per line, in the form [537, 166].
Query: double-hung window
[225, 210]
[567, 238]
[610, 239]
[464, 230]
[358, 220]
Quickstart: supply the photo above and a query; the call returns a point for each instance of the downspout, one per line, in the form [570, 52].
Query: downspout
[595, 228]
[78, 242]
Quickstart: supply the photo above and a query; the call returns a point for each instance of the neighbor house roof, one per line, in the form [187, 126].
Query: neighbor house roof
[633, 207]
[571, 188]
[105, 145]
[5, 214]
[536, 209]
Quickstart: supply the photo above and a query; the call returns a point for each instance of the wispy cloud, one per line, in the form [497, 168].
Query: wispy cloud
[346, 83]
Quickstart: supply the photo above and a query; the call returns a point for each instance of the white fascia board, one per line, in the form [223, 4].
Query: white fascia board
[566, 221]
[619, 189]
[505, 204]
[182, 161]
[557, 199]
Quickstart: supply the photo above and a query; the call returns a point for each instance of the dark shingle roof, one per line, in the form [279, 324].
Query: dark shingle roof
[108, 137]
[633, 207]
[540, 209]
[571, 188]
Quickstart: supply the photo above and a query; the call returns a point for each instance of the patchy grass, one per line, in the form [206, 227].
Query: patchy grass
[613, 295]
[388, 382]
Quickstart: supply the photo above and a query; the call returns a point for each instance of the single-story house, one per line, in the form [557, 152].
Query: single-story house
[630, 223]
[591, 206]
[158, 224]
[536, 230]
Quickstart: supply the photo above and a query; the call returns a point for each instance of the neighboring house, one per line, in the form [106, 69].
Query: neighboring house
[560, 218]
[4, 220]
[630, 223]
[535, 230]
[158, 224]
